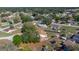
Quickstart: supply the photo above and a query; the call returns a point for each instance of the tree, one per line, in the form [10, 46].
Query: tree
[56, 17]
[28, 27]
[34, 37]
[17, 40]
[25, 37]
[28, 38]
[76, 17]
[29, 33]
[46, 21]
[25, 18]
[3, 15]
[16, 18]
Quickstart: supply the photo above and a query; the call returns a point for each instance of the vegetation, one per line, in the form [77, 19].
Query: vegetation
[56, 17]
[17, 40]
[25, 18]
[3, 34]
[29, 33]
[76, 17]
[24, 47]
[68, 29]
[46, 21]
[16, 19]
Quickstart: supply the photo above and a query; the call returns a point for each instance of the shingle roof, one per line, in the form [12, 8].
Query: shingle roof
[75, 38]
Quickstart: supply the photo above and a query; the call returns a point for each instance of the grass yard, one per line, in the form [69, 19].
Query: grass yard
[68, 29]
[3, 34]
[51, 34]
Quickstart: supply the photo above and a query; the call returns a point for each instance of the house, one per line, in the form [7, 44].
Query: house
[69, 43]
[71, 21]
[43, 37]
[64, 14]
[75, 37]
[39, 24]
[58, 35]
[55, 26]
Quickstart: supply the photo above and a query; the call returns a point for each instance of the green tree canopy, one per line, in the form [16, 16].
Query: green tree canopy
[76, 17]
[29, 33]
[28, 27]
[25, 18]
[47, 21]
[17, 40]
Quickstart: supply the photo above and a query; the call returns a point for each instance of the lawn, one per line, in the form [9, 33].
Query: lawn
[3, 34]
[50, 34]
[66, 31]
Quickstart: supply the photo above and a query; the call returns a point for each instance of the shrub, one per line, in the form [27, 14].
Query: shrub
[17, 40]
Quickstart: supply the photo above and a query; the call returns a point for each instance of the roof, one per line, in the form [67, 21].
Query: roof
[75, 38]
[43, 35]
